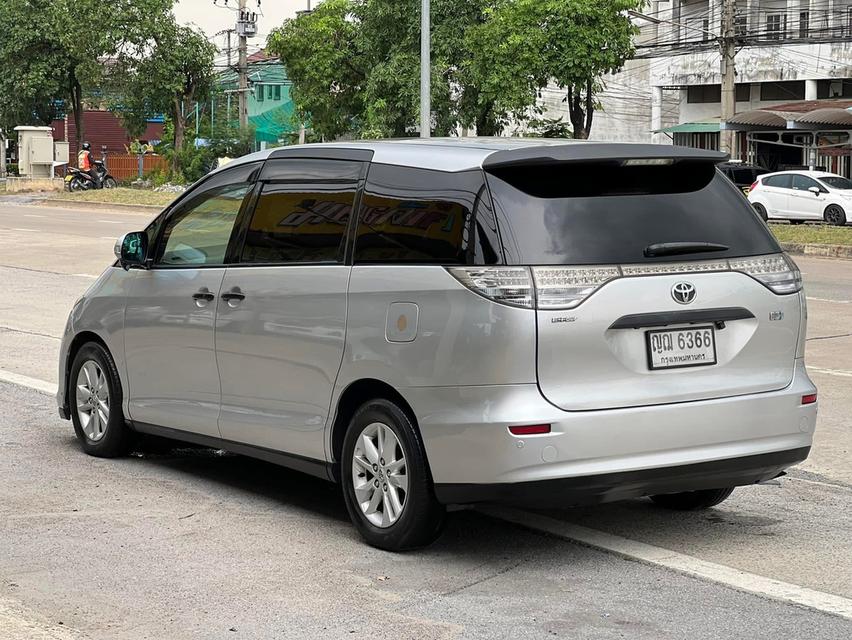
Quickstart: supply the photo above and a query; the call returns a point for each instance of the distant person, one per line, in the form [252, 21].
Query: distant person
[84, 163]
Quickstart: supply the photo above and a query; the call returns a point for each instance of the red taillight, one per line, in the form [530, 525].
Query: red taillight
[809, 399]
[530, 430]
[753, 185]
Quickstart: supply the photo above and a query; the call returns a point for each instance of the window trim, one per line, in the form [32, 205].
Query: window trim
[347, 245]
[177, 206]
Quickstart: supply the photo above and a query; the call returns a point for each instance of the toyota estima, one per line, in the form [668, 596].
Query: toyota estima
[454, 322]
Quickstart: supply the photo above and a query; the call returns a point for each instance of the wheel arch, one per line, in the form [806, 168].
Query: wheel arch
[78, 341]
[351, 398]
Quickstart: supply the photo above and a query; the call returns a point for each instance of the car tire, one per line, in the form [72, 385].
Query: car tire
[761, 211]
[835, 215]
[95, 398]
[693, 500]
[387, 485]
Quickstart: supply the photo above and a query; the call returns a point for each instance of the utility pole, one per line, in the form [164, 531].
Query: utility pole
[425, 70]
[727, 49]
[243, 71]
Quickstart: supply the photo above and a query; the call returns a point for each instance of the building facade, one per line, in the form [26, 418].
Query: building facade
[270, 108]
[793, 81]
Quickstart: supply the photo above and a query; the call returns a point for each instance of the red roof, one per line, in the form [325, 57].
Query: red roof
[261, 56]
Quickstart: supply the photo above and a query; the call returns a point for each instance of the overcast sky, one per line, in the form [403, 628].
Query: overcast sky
[213, 19]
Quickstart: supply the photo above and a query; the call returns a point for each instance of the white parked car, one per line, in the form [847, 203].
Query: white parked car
[803, 195]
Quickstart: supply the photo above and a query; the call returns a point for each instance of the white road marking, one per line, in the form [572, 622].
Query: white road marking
[650, 554]
[829, 300]
[85, 275]
[831, 372]
[33, 215]
[20, 229]
[25, 381]
[112, 221]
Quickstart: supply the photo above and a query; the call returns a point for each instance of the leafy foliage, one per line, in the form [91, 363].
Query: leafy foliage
[53, 52]
[169, 75]
[526, 44]
[355, 64]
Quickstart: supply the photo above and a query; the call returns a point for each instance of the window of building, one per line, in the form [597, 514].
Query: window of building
[704, 93]
[277, 92]
[740, 25]
[419, 216]
[776, 26]
[804, 23]
[789, 90]
[259, 93]
[269, 92]
[302, 216]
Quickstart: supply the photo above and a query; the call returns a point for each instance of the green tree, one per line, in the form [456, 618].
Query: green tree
[169, 75]
[355, 67]
[55, 51]
[525, 45]
[355, 63]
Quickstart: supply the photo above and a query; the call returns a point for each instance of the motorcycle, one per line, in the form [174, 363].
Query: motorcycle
[77, 180]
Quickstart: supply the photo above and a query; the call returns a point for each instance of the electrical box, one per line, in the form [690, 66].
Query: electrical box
[247, 24]
[62, 152]
[35, 152]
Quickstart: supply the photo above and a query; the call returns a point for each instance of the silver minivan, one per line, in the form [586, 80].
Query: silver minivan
[444, 322]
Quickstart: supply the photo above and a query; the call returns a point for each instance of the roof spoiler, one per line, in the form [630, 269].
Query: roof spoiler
[592, 152]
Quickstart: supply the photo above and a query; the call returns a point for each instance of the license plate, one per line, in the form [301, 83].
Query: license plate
[677, 348]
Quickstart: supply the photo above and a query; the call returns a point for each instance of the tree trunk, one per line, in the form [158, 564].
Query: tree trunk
[580, 110]
[486, 123]
[180, 129]
[77, 109]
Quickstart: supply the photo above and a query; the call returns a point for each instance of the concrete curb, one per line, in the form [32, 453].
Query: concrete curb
[822, 250]
[98, 206]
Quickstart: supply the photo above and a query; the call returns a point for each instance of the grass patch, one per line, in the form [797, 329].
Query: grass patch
[812, 233]
[121, 196]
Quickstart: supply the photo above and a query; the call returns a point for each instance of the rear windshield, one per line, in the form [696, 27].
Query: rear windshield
[588, 214]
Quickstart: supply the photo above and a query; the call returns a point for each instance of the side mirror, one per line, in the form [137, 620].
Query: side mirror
[131, 249]
[815, 190]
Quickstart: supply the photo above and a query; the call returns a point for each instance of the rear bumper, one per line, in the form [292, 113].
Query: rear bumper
[656, 448]
[609, 487]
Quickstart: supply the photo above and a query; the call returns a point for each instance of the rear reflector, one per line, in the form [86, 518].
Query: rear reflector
[530, 430]
[809, 399]
[753, 186]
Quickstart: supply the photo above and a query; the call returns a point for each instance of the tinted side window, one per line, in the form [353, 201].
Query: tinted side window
[303, 213]
[421, 216]
[782, 181]
[198, 230]
[803, 183]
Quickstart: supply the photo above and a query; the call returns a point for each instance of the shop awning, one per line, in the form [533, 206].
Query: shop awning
[803, 114]
[704, 126]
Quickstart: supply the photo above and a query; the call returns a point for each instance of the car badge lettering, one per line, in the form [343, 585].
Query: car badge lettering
[683, 292]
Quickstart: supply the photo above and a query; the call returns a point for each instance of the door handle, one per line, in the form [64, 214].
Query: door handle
[233, 295]
[203, 295]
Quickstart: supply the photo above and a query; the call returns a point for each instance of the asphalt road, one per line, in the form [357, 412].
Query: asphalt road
[190, 544]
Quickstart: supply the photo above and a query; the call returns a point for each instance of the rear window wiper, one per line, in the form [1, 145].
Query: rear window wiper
[681, 248]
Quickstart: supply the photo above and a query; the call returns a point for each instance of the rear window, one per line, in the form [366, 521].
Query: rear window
[609, 214]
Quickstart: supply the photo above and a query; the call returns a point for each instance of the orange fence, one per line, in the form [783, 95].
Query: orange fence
[126, 167]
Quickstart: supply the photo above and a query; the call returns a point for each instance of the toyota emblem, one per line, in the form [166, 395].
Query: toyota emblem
[683, 292]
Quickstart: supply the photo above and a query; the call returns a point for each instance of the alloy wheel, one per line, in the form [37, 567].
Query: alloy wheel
[92, 400]
[379, 475]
